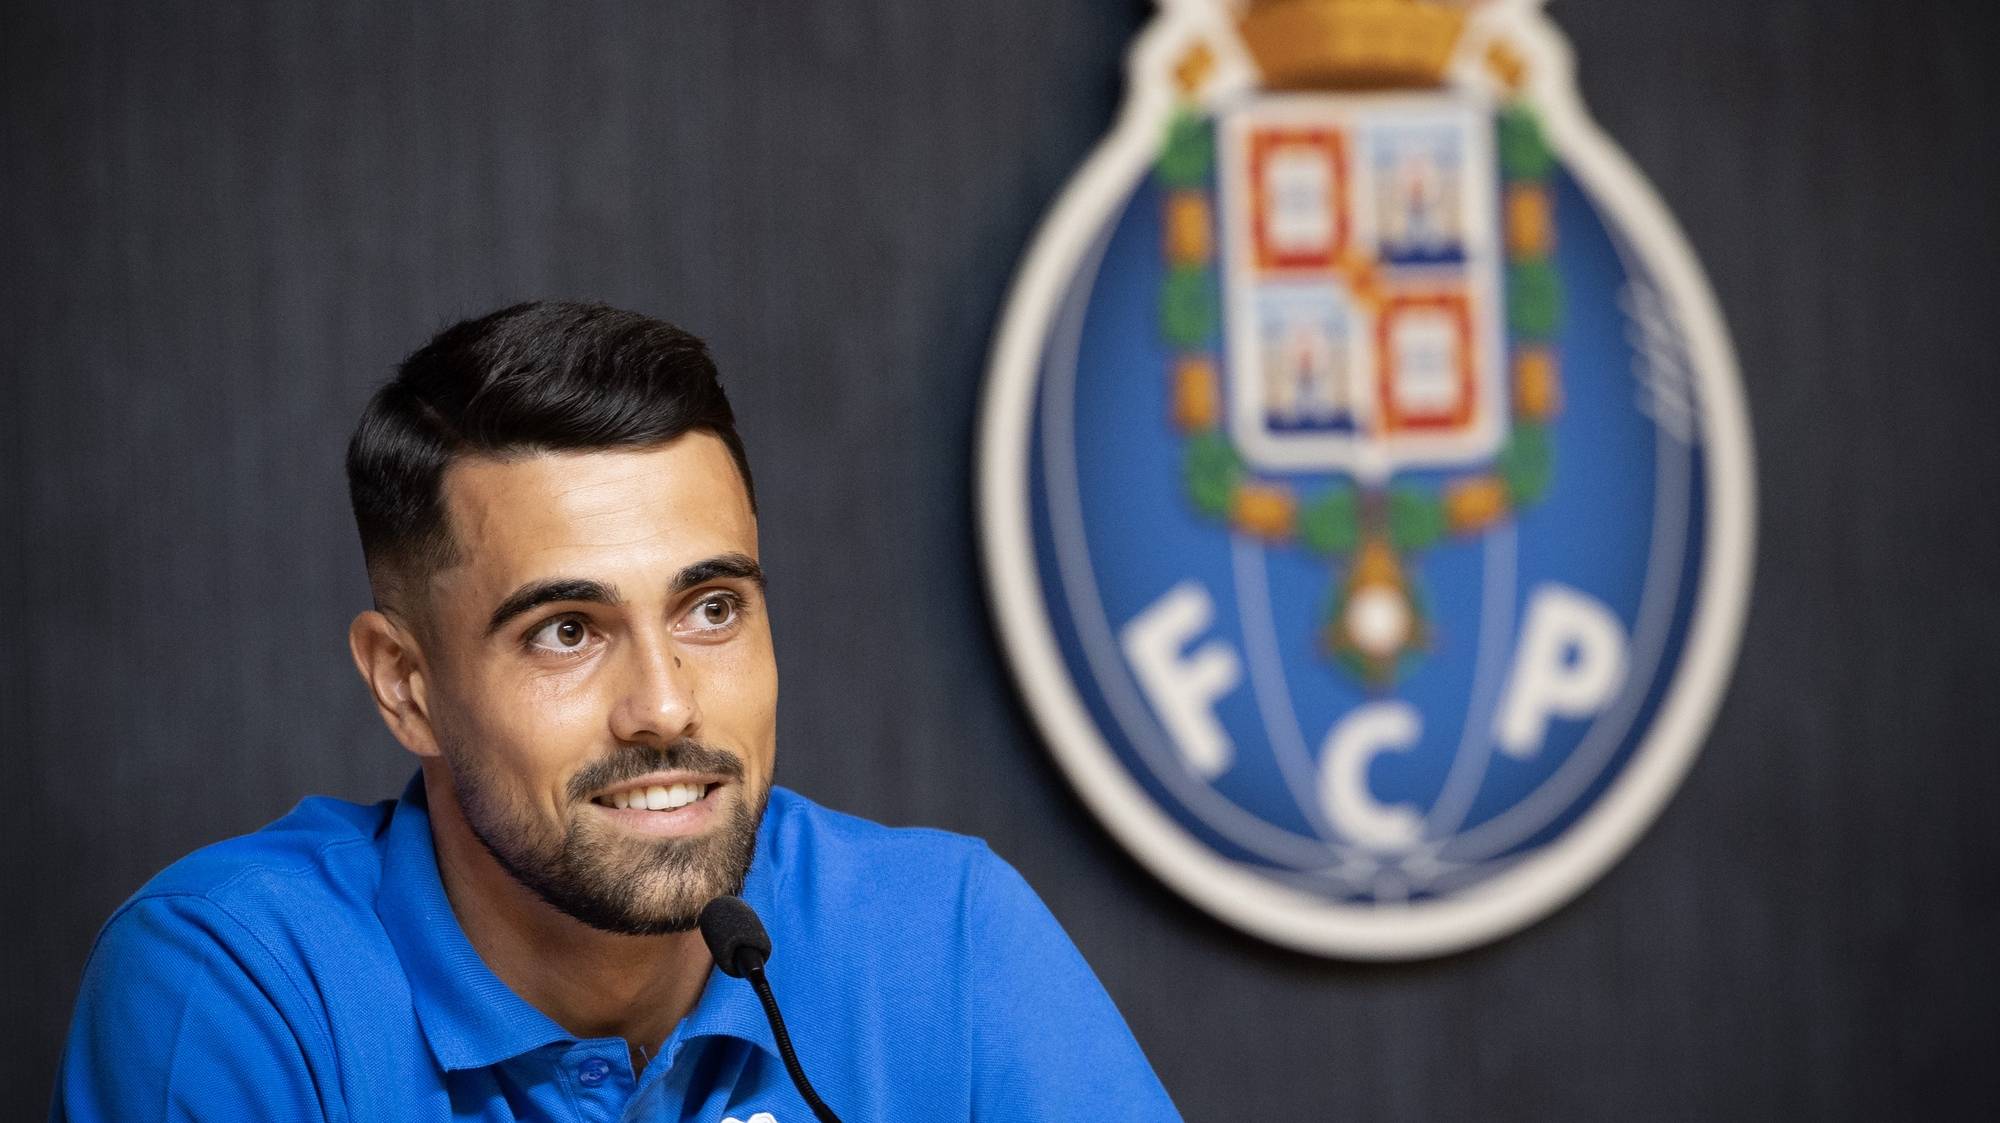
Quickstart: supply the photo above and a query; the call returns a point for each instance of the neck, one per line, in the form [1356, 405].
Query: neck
[590, 982]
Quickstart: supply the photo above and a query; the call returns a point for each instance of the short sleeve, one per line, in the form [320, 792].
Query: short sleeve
[1047, 1041]
[180, 1018]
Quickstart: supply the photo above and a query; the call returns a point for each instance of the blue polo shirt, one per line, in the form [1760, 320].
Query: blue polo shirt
[315, 970]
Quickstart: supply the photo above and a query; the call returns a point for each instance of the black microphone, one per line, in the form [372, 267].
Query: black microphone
[737, 940]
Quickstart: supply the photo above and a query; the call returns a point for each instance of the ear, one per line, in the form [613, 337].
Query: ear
[392, 664]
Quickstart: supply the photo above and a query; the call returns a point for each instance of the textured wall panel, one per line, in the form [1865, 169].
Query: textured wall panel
[224, 224]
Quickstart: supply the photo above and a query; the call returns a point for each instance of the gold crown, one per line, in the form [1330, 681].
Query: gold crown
[1352, 44]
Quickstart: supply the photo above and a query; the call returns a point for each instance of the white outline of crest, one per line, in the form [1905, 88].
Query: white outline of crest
[1549, 877]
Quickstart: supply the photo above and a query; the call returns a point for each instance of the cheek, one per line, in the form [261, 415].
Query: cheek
[532, 727]
[740, 697]
[571, 699]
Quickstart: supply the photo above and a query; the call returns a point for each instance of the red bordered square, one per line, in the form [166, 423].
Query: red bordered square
[1309, 166]
[1424, 349]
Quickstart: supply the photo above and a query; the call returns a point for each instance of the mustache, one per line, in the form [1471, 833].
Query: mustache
[634, 761]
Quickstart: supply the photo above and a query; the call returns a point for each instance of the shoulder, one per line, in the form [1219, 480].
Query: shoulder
[208, 984]
[265, 900]
[815, 846]
[323, 849]
[893, 887]
[794, 819]
[935, 937]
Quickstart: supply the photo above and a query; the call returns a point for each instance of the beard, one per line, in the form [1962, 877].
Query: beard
[623, 885]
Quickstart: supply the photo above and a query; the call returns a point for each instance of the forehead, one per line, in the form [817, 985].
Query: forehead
[597, 514]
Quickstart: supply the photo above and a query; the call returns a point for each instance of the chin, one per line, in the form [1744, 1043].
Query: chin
[605, 877]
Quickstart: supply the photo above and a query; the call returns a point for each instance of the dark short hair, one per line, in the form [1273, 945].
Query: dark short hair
[544, 376]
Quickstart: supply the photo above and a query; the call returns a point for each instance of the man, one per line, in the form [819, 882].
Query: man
[571, 635]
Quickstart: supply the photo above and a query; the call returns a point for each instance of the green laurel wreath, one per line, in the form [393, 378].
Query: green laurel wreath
[1332, 521]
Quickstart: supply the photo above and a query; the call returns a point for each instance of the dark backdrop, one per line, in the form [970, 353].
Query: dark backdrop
[224, 224]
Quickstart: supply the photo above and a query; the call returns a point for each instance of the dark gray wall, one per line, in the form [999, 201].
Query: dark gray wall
[223, 225]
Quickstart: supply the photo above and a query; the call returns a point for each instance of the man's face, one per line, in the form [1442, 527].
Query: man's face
[602, 686]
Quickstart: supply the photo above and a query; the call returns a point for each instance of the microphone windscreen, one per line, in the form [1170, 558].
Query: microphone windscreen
[730, 928]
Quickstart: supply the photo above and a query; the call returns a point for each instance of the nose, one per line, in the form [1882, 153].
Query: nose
[656, 701]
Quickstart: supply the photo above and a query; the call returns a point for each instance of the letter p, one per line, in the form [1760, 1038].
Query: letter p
[1570, 663]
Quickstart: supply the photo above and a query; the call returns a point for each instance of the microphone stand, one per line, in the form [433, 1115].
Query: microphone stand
[762, 985]
[737, 940]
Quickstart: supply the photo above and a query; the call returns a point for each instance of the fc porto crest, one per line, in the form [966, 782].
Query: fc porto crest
[1365, 483]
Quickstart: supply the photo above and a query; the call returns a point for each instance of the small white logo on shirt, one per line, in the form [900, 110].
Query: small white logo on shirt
[760, 1117]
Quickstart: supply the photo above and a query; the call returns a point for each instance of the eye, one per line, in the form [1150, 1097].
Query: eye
[564, 635]
[716, 612]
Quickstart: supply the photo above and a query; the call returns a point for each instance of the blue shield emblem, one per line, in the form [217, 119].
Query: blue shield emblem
[1365, 485]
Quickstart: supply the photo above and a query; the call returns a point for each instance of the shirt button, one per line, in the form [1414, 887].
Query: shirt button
[593, 1071]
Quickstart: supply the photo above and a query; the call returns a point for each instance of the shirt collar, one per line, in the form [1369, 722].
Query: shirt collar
[728, 1006]
[470, 1017]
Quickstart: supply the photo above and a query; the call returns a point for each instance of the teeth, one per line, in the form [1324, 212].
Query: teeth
[668, 797]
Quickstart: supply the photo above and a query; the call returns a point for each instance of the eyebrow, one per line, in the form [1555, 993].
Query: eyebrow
[535, 594]
[741, 567]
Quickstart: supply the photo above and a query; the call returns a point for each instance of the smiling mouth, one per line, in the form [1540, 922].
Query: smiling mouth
[656, 797]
